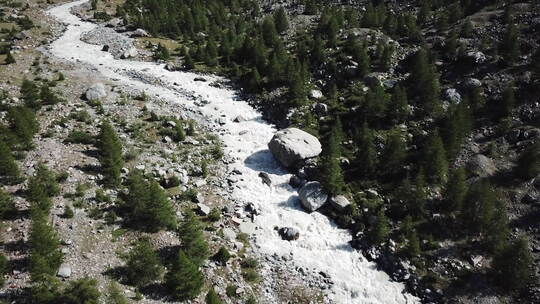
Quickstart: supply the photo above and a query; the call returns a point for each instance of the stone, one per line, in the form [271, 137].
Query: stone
[239, 118]
[289, 233]
[265, 178]
[339, 202]
[472, 83]
[292, 146]
[203, 209]
[129, 53]
[247, 227]
[316, 94]
[64, 271]
[476, 57]
[296, 182]
[229, 234]
[481, 166]
[171, 67]
[452, 95]
[96, 92]
[312, 196]
[320, 108]
[105, 48]
[200, 198]
[140, 33]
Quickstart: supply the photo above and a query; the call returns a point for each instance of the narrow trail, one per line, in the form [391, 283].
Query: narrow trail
[321, 245]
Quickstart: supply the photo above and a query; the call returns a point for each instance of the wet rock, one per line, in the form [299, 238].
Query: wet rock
[339, 202]
[265, 178]
[292, 146]
[105, 48]
[96, 92]
[296, 181]
[289, 233]
[312, 196]
[481, 165]
[472, 83]
[200, 79]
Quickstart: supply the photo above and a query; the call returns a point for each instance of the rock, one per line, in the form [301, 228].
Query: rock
[452, 95]
[96, 92]
[373, 80]
[239, 118]
[64, 271]
[265, 178]
[292, 146]
[140, 33]
[472, 83]
[21, 36]
[129, 53]
[339, 202]
[203, 209]
[296, 181]
[229, 234]
[200, 198]
[247, 227]
[200, 79]
[289, 233]
[320, 108]
[532, 197]
[171, 67]
[105, 48]
[312, 196]
[481, 166]
[476, 57]
[316, 94]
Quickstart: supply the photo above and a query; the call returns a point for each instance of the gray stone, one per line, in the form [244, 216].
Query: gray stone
[339, 202]
[291, 146]
[320, 108]
[265, 178]
[316, 94]
[129, 53]
[203, 209]
[247, 227]
[481, 166]
[289, 233]
[452, 95]
[239, 118]
[140, 33]
[229, 234]
[96, 92]
[64, 271]
[312, 196]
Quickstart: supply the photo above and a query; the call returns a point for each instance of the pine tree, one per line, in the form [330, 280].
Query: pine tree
[211, 53]
[331, 168]
[45, 255]
[3, 268]
[434, 158]
[47, 96]
[394, 155]
[7, 205]
[110, 150]
[192, 239]
[81, 291]
[255, 81]
[115, 295]
[399, 108]
[455, 191]
[478, 210]
[425, 82]
[184, 281]
[511, 265]
[189, 64]
[367, 154]
[179, 133]
[416, 202]
[23, 124]
[212, 297]
[270, 34]
[535, 66]
[142, 264]
[450, 46]
[509, 47]
[30, 94]
[9, 58]
[41, 188]
[508, 100]
[380, 230]
[9, 170]
[281, 20]
[528, 164]
[412, 249]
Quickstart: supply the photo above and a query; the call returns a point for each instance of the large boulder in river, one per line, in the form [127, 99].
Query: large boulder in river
[312, 196]
[291, 146]
[96, 92]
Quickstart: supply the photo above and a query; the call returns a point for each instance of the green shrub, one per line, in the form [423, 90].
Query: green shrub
[222, 256]
[142, 264]
[68, 212]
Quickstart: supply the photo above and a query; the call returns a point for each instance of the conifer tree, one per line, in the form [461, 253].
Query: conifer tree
[331, 168]
[45, 255]
[528, 165]
[394, 155]
[511, 265]
[23, 124]
[254, 81]
[47, 96]
[212, 297]
[416, 202]
[412, 249]
[81, 291]
[379, 231]
[7, 205]
[115, 295]
[9, 58]
[281, 20]
[179, 133]
[535, 66]
[398, 111]
[270, 34]
[478, 210]
[455, 191]
[211, 53]
[189, 64]
[9, 170]
[508, 100]
[193, 243]
[509, 47]
[41, 188]
[3, 268]
[142, 264]
[367, 154]
[110, 150]
[450, 46]
[425, 82]
[184, 281]
[434, 158]
[30, 94]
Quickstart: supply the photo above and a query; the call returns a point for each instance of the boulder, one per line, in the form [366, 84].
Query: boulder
[471, 83]
[239, 118]
[203, 209]
[481, 166]
[171, 67]
[229, 234]
[289, 233]
[295, 181]
[96, 92]
[312, 196]
[476, 57]
[316, 94]
[105, 48]
[140, 33]
[265, 178]
[452, 95]
[292, 146]
[64, 271]
[320, 108]
[339, 202]
[129, 53]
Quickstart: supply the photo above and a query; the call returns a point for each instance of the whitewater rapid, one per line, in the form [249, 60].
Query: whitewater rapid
[321, 245]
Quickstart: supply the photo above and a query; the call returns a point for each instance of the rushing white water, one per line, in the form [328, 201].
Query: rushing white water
[321, 245]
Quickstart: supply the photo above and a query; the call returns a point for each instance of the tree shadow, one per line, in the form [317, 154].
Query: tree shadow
[168, 254]
[263, 160]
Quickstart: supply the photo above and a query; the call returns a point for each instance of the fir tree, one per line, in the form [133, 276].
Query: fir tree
[528, 165]
[412, 249]
[3, 268]
[416, 202]
[281, 20]
[508, 100]
[398, 111]
[434, 158]
[455, 191]
[331, 168]
[115, 295]
[142, 264]
[47, 96]
[394, 155]
[425, 82]
[23, 124]
[9, 58]
[212, 297]
[30, 94]
[184, 281]
[9, 170]
[478, 209]
[7, 205]
[45, 255]
[41, 188]
[379, 231]
[367, 154]
[189, 64]
[81, 291]
[110, 150]
[179, 133]
[509, 47]
[192, 239]
[511, 265]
